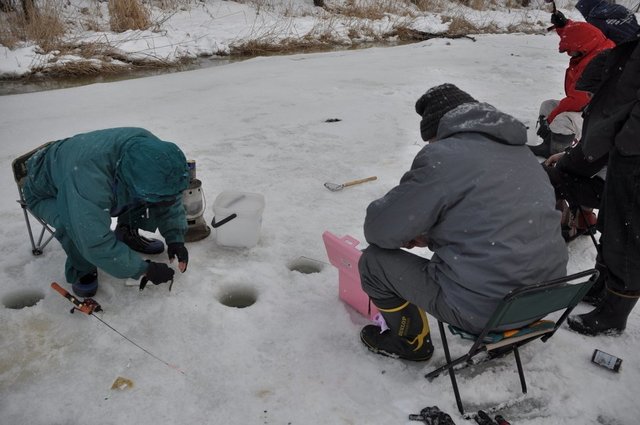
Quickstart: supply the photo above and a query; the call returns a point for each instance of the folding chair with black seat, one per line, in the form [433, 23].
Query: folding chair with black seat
[523, 305]
[19, 166]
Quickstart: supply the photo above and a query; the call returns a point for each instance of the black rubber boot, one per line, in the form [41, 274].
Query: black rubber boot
[596, 293]
[87, 285]
[135, 241]
[408, 336]
[609, 317]
[560, 142]
[543, 149]
[552, 144]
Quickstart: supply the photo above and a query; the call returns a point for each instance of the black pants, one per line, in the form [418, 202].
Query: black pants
[573, 179]
[577, 191]
[619, 223]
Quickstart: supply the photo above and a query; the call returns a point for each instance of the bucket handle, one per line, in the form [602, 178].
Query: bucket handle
[223, 221]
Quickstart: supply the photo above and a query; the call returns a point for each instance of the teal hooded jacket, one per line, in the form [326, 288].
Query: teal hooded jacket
[78, 184]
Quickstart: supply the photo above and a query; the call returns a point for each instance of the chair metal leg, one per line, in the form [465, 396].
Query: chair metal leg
[36, 247]
[436, 372]
[523, 383]
[45, 229]
[450, 366]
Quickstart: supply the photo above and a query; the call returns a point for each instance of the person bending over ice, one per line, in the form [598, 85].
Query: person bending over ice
[77, 184]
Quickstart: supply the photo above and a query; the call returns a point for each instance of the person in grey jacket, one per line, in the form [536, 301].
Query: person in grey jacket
[478, 199]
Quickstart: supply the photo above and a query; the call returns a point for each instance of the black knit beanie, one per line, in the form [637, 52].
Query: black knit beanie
[436, 102]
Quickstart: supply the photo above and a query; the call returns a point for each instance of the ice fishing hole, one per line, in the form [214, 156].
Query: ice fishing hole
[239, 297]
[20, 299]
[306, 265]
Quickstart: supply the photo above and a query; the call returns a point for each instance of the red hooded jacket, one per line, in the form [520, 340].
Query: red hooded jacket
[588, 40]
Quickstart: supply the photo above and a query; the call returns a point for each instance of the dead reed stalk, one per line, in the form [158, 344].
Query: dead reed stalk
[127, 15]
[43, 25]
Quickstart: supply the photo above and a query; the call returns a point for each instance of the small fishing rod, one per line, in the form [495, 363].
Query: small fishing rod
[90, 306]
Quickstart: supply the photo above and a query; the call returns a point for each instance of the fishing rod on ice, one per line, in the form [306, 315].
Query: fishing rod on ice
[89, 306]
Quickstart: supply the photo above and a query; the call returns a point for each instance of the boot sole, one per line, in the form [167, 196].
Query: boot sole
[594, 332]
[394, 355]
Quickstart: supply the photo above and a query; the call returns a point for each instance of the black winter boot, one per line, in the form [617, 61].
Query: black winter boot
[598, 290]
[552, 144]
[135, 241]
[543, 149]
[408, 336]
[609, 317]
[87, 285]
[560, 142]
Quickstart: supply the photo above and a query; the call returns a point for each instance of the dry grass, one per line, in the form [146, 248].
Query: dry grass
[45, 27]
[172, 4]
[127, 15]
[265, 47]
[460, 25]
[427, 5]
[98, 59]
[372, 9]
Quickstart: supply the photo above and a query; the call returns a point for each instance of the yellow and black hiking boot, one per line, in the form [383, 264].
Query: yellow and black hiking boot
[408, 336]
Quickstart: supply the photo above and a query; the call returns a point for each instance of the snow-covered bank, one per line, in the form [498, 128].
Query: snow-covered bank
[214, 27]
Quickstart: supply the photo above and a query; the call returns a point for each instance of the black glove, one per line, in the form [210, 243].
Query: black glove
[543, 127]
[158, 273]
[433, 415]
[558, 19]
[178, 249]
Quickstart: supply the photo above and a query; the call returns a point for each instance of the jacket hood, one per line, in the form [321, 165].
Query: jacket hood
[153, 170]
[586, 6]
[601, 9]
[483, 118]
[580, 37]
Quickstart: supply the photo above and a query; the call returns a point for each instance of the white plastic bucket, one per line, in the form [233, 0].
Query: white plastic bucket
[237, 218]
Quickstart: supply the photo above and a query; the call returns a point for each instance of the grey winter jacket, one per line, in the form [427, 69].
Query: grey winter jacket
[485, 205]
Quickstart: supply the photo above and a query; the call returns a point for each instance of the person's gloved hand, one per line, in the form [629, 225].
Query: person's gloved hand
[553, 159]
[558, 19]
[177, 249]
[420, 241]
[158, 273]
[543, 127]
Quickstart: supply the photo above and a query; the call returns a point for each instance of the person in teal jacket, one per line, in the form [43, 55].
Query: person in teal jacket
[78, 184]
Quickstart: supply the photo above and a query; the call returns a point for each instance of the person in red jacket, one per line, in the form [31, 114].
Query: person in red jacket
[560, 121]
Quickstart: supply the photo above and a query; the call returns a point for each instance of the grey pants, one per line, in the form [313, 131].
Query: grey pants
[392, 276]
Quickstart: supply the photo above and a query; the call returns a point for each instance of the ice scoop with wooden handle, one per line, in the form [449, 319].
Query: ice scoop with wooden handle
[337, 187]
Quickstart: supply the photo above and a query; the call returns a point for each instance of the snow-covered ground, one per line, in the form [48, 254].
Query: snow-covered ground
[294, 356]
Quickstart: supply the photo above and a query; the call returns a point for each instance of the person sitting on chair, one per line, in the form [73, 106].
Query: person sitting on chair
[560, 121]
[77, 184]
[477, 198]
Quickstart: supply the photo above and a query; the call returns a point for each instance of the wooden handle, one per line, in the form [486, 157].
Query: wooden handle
[59, 289]
[88, 306]
[354, 182]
